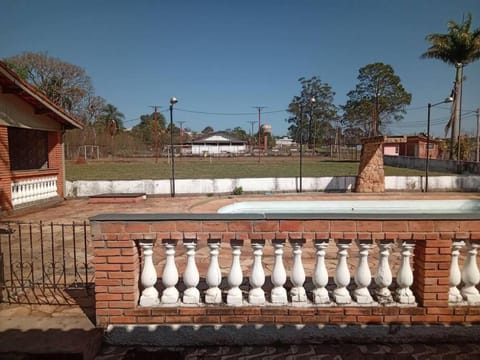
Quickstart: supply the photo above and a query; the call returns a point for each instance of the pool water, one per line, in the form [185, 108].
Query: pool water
[355, 207]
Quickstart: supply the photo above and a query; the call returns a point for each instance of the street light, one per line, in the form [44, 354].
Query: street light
[447, 100]
[172, 179]
[311, 101]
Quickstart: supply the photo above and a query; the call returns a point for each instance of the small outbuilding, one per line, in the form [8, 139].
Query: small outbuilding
[31, 144]
[413, 146]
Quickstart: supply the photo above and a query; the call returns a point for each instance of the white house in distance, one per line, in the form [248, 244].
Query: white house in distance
[218, 143]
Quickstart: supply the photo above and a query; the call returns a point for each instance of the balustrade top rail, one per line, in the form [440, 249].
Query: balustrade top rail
[284, 216]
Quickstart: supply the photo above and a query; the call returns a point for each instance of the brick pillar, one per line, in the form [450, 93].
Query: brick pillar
[431, 266]
[55, 158]
[117, 270]
[5, 176]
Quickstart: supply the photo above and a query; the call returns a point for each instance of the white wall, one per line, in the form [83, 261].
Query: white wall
[81, 188]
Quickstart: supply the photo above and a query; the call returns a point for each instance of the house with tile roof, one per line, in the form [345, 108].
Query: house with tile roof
[218, 143]
[31, 144]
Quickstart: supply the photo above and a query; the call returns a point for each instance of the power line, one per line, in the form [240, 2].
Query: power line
[231, 114]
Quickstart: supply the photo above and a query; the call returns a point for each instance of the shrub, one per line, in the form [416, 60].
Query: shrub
[238, 190]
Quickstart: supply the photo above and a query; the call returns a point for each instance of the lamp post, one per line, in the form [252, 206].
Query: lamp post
[447, 100]
[311, 101]
[172, 179]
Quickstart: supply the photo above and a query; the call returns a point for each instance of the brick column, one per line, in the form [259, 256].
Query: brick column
[117, 271]
[5, 176]
[431, 266]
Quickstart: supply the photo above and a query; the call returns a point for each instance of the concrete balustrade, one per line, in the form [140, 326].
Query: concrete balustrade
[256, 295]
[33, 189]
[250, 268]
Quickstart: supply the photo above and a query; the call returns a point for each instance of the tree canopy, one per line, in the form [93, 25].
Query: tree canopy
[459, 46]
[378, 99]
[67, 85]
[314, 118]
[111, 118]
[145, 130]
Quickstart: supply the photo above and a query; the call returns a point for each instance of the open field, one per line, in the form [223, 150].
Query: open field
[215, 168]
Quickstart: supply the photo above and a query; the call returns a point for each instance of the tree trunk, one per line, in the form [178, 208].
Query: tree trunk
[458, 106]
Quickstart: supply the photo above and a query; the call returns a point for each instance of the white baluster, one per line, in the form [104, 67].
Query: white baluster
[54, 185]
[170, 275]
[256, 295]
[191, 277]
[363, 276]
[471, 275]
[405, 276]
[22, 194]
[320, 274]
[383, 277]
[279, 276]
[454, 295]
[235, 277]
[213, 295]
[26, 191]
[342, 275]
[35, 189]
[148, 279]
[13, 189]
[297, 277]
[30, 190]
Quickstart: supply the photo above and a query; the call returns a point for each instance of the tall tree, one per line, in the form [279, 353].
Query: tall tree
[312, 117]
[238, 132]
[67, 85]
[145, 130]
[207, 130]
[459, 47]
[378, 99]
[112, 119]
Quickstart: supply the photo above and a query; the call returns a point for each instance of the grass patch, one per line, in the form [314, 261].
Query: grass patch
[194, 168]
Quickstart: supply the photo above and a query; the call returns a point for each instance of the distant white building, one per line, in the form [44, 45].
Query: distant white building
[285, 142]
[218, 143]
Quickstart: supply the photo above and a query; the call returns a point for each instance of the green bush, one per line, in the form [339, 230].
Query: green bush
[238, 190]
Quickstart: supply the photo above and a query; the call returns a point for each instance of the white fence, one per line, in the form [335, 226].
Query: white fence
[82, 188]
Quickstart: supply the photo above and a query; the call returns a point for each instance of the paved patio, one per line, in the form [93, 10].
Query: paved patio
[81, 209]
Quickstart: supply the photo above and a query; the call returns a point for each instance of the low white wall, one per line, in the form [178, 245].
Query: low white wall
[81, 188]
[451, 166]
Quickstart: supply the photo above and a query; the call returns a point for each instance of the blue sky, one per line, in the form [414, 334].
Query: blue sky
[228, 56]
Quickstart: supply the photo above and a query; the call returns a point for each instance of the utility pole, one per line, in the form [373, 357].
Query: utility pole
[181, 134]
[478, 135]
[259, 108]
[155, 129]
[251, 133]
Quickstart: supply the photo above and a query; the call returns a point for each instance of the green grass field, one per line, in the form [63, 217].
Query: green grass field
[195, 168]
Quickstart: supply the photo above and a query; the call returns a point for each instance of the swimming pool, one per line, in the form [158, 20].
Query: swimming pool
[355, 207]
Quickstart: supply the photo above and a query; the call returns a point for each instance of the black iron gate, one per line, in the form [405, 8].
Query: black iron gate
[44, 263]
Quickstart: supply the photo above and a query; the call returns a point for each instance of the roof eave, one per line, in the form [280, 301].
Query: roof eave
[60, 115]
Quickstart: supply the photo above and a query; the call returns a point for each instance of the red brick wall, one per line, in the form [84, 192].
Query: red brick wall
[117, 269]
[5, 178]
[55, 158]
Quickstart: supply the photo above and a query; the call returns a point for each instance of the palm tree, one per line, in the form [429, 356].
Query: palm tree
[458, 47]
[111, 118]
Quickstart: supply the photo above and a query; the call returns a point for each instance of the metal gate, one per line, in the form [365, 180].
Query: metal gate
[44, 263]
